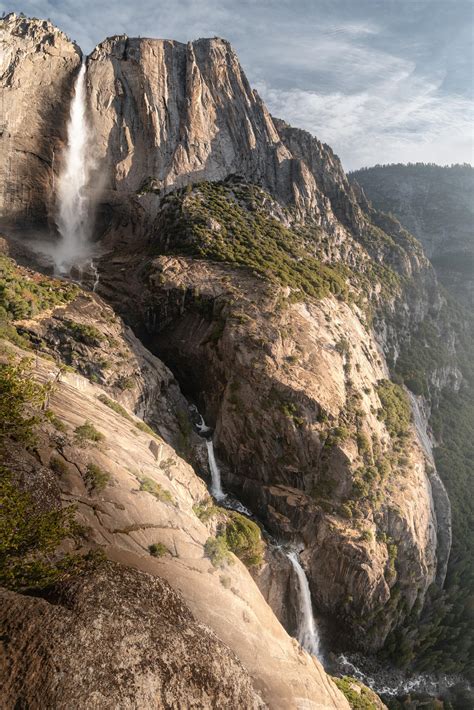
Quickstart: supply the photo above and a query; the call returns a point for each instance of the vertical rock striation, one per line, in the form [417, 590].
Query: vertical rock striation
[37, 68]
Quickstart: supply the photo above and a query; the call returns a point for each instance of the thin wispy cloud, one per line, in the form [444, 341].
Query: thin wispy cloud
[378, 81]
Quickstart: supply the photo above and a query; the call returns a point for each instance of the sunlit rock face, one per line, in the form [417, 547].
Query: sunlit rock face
[173, 114]
[37, 68]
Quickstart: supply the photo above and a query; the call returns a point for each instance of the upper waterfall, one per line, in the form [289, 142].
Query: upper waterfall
[73, 213]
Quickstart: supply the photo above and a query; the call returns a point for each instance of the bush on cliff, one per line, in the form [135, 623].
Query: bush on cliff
[29, 538]
[244, 539]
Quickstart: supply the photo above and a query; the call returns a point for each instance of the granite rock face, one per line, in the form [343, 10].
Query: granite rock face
[140, 646]
[289, 380]
[166, 114]
[38, 64]
[273, 382]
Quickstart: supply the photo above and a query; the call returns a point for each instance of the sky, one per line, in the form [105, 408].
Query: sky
[379, 80]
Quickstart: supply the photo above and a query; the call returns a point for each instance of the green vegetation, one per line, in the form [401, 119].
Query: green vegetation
[143, 426]
[87, 432]
[29, 539]
[244, 539]
[205, 510]
[238, 535]
[150, 486]
[217, 550]
[125, 383]
[157, 549]
[396, 410]
[229, 222]
[290, 410]
[24, 294]
[96, 478]
[20, 396]
[87, 334]
[58, 465]
[112, 404]
[362, 699]
[55, 421]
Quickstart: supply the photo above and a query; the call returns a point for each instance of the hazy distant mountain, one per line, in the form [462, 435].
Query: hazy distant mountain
[436, 204]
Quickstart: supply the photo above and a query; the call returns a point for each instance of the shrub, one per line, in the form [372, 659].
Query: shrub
[87, 432]
[244, 539]
[55, 421]
[396, 410]
[115, 406]
[87, 334]
[23, 295]
[217, 551]
[143, 426]
[29, 539]
[150, 486]
[96, 478]
[346, 511]
[157, 549]
[362, 699]
[58, 465]
[290, 411]
[19, 397]
[205, 510]
[343, 347]
[125, 383]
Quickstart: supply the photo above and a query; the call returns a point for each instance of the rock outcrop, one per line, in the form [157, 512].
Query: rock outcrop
[292, 413]
[38, 64]
[166, 114]
[140, 646]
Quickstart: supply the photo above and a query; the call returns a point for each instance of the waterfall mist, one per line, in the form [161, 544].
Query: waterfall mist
[73, 206]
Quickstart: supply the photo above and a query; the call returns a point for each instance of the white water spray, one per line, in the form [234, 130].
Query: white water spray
[73, 218]
[95, 273]
[307, 631]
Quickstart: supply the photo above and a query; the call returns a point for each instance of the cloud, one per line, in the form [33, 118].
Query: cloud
[399, 116]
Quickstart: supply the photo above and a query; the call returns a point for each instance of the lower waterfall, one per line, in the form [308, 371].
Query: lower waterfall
[307, 630]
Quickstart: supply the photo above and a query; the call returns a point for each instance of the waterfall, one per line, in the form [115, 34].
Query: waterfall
[72, 203]
[216, 487]
[95, 272]
[307, 631]
[228, 501]
[393, 682]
